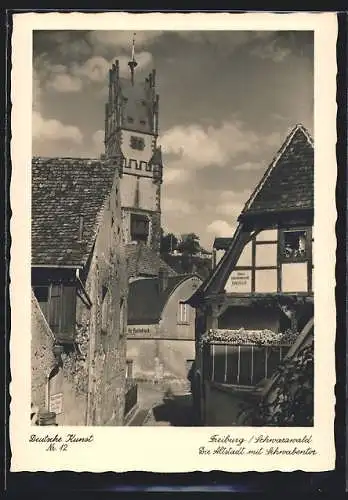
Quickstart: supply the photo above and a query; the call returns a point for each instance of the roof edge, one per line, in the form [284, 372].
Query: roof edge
[275, 161]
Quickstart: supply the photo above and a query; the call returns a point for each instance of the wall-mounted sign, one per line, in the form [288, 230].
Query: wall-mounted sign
[239, 281]
[141, 330]
[56, 403]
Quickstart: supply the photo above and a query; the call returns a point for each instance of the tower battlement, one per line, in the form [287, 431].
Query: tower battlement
[131, 132]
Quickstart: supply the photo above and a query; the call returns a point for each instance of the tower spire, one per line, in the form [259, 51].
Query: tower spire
[132, 63]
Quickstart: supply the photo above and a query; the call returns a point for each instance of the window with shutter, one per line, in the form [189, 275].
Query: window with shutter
[58, 304]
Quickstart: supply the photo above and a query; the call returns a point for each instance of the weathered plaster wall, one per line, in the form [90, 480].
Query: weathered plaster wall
[63, 382]
[106, 349]
[42, 357]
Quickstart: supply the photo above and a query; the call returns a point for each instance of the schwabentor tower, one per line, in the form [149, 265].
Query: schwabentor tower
[131, 131]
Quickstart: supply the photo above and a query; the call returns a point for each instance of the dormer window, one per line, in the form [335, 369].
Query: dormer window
[143, 122]
[130, 119]
[137, 143]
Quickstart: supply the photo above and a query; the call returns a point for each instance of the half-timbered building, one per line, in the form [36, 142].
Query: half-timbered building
[260, 294]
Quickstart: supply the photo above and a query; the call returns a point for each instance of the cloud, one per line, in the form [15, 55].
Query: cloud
[175, 175]
[271, 50]
[231, 203]
[122, 39]
[50, 129]
[182, 207]
[197, 146]
[220, 228]
[249, 166]
[73, 77]
[64, 83]
[98, 141]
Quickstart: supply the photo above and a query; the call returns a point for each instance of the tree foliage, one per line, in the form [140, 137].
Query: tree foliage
[290, 402]
[169, 243]
[189, 244]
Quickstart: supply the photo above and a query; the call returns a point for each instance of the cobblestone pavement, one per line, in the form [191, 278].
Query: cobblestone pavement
[164, 405]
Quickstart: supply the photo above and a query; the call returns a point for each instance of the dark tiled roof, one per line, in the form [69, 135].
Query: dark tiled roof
[288, 183]
[146, 302]
[222, 243]
[143, 261]
[62, 190]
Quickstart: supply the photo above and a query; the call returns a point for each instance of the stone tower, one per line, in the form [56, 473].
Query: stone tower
[131, 131]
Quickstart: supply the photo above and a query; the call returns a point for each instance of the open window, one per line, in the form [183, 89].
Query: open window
[139, 227]
[294, 245]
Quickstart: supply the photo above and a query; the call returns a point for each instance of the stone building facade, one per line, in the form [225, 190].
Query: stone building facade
[131, 131]
[80, 282]
[161, 327]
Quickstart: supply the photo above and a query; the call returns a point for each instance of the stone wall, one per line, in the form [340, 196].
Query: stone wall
[105, 346]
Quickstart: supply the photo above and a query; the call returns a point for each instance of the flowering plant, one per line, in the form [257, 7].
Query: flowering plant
[248, 337]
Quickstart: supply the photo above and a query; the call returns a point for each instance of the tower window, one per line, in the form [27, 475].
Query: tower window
[137, 143]
[139, 227]
[143, 165]
[133, 164]
[148, 167]
[139, 165]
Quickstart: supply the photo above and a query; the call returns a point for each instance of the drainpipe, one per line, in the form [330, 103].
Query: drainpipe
[83, 288]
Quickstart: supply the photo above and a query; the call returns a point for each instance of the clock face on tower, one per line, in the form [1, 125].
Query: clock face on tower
[137, 143]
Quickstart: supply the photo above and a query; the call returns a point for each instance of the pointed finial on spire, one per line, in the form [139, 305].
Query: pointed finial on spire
[132, 63]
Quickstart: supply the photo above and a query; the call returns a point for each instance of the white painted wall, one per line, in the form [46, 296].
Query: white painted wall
[147, 191]
[129, 152]
[266, 255]
[265, 280]
[294, 277]
[267, 235]
[245, 258]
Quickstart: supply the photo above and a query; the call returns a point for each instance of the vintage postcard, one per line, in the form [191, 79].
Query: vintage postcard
[173, 242]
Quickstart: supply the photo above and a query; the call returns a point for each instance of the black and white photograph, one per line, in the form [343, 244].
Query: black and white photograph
[177, 201]
[172, 228]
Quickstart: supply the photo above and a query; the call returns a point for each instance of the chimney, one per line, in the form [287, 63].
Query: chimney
[162, 279]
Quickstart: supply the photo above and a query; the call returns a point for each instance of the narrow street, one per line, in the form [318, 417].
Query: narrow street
[160, 406]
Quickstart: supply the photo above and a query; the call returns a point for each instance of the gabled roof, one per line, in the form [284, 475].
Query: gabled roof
[63, 189]
[145, 300]
[288, 183]
[143, 261]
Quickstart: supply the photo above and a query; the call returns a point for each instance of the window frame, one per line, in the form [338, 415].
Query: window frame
[253, 383]
[63, 335]
[140, 217]
[281, 242]
[183, 313]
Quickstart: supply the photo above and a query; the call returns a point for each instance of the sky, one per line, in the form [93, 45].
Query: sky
[228, 99]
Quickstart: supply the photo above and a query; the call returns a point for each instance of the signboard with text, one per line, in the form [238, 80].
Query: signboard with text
[56, 403]
[239, 281]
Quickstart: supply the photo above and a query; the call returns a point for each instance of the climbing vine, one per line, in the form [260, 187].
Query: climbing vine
[290, 402]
